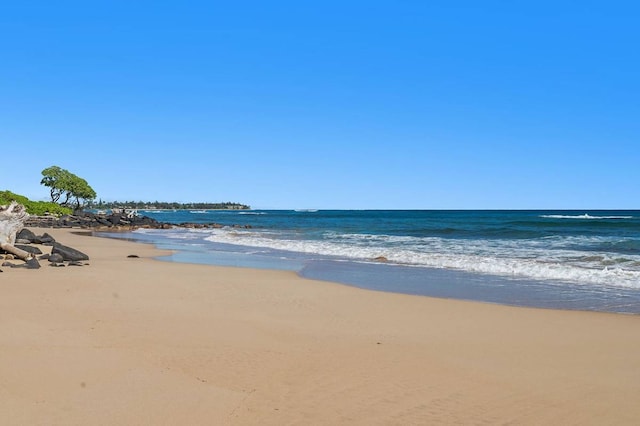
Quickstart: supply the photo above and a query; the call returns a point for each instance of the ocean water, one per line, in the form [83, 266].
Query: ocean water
[587, 260]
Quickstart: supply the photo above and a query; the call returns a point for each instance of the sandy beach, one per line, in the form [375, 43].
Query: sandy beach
[136, 341]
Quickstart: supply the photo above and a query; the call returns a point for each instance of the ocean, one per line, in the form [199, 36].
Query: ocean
[585, 260]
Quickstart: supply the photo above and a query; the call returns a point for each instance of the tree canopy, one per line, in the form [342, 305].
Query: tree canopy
[64, 185]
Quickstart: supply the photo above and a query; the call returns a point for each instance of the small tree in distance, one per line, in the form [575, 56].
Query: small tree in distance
[64, 184]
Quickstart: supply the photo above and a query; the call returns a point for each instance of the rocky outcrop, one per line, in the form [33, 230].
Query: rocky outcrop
[94, 221]
[111, 222]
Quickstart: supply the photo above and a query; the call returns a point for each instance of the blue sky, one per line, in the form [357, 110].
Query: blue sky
[331, 104]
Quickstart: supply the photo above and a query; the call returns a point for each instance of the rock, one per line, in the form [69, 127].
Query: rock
[381, 259]
[57, 265]
[28, 249]
[26, 234]
[32, 264]
[56, 258]
[7, 264]
[114, 221]
[22, 241]
[44, 239]
[133, 256]
[9, 257]
[68, 253]
[29, 264]
[75, 263]
[44, 257]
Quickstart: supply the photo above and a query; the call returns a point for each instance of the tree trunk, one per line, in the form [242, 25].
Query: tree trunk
[21, 254]
[12, 219]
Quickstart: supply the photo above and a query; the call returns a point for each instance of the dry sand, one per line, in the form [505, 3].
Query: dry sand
[138, 341]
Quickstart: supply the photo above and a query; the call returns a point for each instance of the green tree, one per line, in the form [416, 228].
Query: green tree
[64, 184]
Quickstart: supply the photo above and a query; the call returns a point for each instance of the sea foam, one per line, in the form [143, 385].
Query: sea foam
[542, 260]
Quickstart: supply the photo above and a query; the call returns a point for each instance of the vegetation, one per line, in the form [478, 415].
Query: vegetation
[147, 205]
[70, 192]
[65, 185]
[38, 208]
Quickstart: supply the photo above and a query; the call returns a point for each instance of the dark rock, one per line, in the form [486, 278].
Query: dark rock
[57, 265]
[56, 258]
[28, 249]
[75, 263]
[104, 222]
[44, 257]
[32, 263]
[114, 221]
[26, 234]
[29, 264]
[68, 253]
[8, 264]
[22, 241]
[44, 239]
[133, 256]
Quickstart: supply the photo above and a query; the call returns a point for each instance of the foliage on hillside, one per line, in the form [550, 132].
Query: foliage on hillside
[37, 208]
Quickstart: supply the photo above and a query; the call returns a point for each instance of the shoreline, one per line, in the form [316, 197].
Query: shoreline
[408, 279]
[133, 341]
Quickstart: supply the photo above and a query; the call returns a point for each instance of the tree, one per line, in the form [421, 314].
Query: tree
[63, 183]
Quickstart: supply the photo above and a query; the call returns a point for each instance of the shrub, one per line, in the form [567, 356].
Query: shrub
[38, 208]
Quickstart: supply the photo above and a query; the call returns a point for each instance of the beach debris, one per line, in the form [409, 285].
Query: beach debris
[12, 218]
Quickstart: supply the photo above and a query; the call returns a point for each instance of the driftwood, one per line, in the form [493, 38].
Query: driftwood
[12, 218]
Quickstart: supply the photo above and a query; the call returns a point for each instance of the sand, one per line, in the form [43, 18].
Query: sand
[135, 341]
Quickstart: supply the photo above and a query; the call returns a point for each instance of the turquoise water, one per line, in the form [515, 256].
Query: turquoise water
[560, 259]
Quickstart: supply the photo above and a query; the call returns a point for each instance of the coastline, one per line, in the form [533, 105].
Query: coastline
[140, 341]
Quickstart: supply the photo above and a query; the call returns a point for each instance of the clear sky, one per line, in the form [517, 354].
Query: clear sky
[326, 104]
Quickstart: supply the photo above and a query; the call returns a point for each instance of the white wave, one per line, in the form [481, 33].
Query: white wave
[198, 211]
[513, 259]
[582, 216]
[252, 213]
